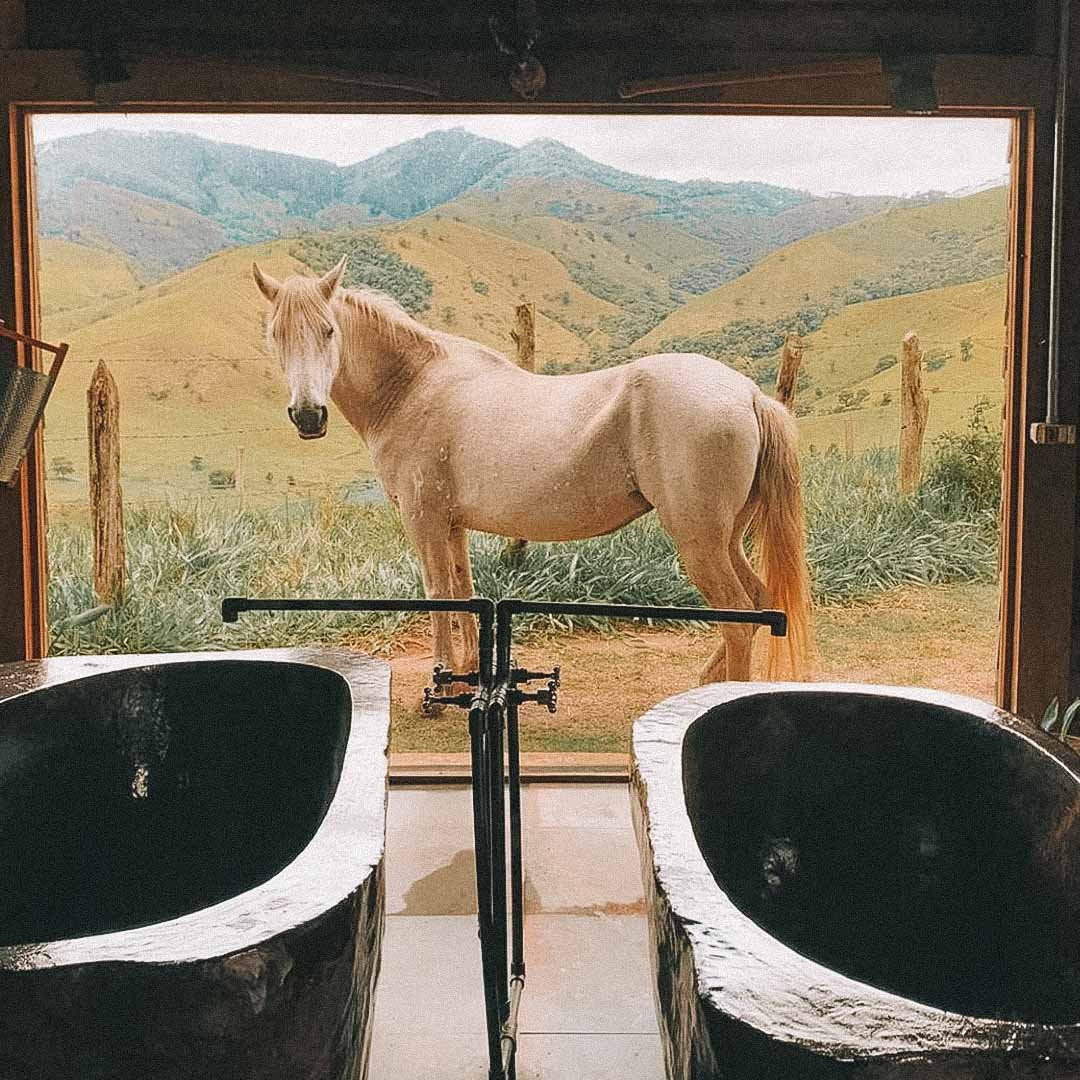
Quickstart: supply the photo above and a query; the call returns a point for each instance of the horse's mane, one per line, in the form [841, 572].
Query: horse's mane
[389, 319]
[365, 310]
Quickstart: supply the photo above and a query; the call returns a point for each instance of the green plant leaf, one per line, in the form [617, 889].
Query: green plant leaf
[1050, 716]
[1067, 719]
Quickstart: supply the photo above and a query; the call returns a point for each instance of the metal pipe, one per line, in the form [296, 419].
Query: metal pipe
[493, 707]
[517, 881]
[496, 719]
[233, 606]
[1053, 364]
[509, 1035]
[776, 621]
[482, 851]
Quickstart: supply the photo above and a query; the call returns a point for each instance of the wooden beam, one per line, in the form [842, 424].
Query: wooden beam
[583, 80]
[672, 27]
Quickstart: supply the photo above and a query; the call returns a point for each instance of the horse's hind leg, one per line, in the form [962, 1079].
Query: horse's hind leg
[754, 586]
[461, 573]
[711, 569]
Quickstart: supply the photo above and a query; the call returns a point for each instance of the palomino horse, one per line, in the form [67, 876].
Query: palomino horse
[461, 438]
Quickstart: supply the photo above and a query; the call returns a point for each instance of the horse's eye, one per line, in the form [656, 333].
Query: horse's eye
[328, 333]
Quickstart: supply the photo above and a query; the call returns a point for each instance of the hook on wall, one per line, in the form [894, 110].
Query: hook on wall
[515, 38]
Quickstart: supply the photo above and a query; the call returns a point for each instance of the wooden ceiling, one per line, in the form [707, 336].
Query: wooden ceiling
[646, 29]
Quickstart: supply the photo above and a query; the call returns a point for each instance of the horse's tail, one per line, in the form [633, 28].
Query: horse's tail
[779, 534]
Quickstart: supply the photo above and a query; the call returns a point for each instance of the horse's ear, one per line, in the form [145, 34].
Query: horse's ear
[268, 286]
[332, 278]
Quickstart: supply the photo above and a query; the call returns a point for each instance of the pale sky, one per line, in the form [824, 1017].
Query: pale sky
[857, 155]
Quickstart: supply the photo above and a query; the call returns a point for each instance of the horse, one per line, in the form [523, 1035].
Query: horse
[462, 438]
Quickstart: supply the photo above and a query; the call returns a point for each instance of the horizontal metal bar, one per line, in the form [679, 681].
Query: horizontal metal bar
[233, 606]
[776, 621]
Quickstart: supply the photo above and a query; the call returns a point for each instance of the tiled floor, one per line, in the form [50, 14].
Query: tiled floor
[587, 1012]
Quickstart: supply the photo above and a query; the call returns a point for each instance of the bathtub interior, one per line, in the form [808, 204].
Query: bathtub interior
[139, 795]
[907, 845]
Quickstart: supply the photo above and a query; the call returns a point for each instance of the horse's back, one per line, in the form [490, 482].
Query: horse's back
[695, 390]
[695, 373]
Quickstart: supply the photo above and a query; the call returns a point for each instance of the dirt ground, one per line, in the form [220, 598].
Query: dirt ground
[941, 637]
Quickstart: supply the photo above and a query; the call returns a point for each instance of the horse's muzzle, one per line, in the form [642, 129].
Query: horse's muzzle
[310, 422]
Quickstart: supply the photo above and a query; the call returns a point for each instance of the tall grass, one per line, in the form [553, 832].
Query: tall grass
[863, 537]
[182, 559]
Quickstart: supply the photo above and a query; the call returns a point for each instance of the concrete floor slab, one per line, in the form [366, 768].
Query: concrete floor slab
[589, 1057]
[414, 811]
[578, 806]
[400, 1054]
[587, 974]
[430, 980]
[435, 875]
[582, 871]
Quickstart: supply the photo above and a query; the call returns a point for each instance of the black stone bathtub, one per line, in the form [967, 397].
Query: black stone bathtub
[859, 881]
[191, 865]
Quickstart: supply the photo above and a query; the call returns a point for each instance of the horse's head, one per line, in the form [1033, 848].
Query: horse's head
[305, 335]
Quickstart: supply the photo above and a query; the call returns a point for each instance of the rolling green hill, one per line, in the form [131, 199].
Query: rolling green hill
[858, 350]
[906, 249]
[76, 276]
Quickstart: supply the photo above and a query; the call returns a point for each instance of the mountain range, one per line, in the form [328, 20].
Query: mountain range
[166, 201]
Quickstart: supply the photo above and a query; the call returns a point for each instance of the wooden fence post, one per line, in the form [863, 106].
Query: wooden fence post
[849, 437]
[524, 336]
[914, 405]
[106, 500]
[790, 359]
[238, 475]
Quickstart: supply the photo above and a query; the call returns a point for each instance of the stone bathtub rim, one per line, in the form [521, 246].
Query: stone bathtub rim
[344, 851]
[742, 971]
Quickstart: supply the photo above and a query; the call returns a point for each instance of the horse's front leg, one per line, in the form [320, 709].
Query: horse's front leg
[435, 565]
[461, 573]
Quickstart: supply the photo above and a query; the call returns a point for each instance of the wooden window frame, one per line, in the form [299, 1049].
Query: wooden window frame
[1038, 518]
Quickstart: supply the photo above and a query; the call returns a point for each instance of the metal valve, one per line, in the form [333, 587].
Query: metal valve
[550, 696]
[433, 702]
[520, 675]
[443, 676]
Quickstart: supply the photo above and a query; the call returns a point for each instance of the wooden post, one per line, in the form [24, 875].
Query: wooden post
[106, 500]
[238, 475]
[914, 406]
[524, 336]
[849, 437]
[790, 359]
